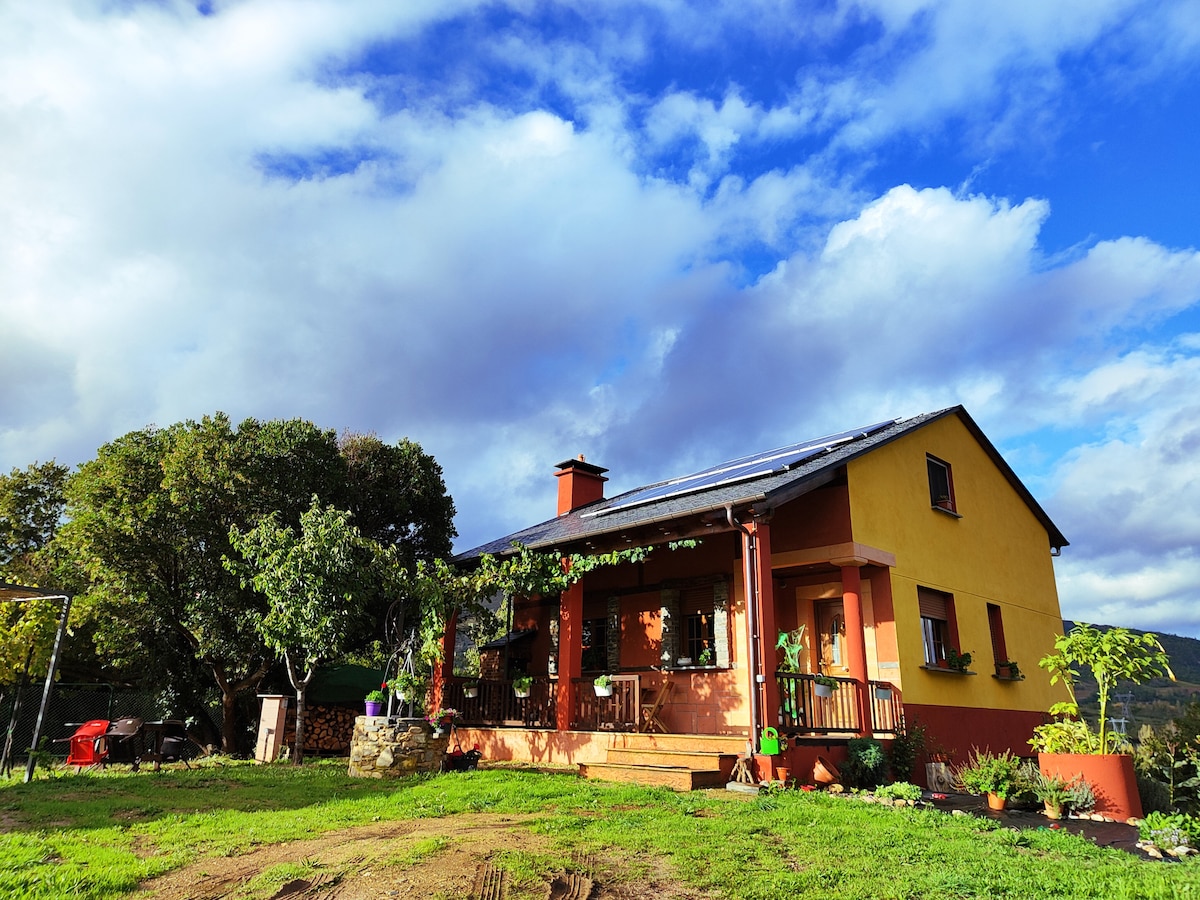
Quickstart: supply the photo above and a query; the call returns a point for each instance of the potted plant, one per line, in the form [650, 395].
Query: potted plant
[998, 775]
[957, 661]
[1008, 670]
[442, 720]
[522, 685]
[792, 645]
[408, 687]
[824, 685]
[1054, 791]
[1067, 746]
[603, 685]
[706, 657]
[375, 699]
[471, 689]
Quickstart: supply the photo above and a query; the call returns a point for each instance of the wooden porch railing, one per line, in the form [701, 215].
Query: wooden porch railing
[619, 712]
[803, 712]
[497, 705]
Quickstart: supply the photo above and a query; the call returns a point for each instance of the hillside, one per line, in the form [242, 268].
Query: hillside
[1155, 702]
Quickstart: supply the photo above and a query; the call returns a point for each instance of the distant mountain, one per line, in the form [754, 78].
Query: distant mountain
[1156, 702]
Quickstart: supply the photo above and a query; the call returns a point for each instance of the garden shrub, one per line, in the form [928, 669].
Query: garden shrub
[899, 790]
[1171, 761]
[1168, 830]
[866, 763]
[906, 747]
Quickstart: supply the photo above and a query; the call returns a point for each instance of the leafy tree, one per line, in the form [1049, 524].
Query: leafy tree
[315, 581]
[31, 507]
[32, 502]
[1113, 655]
[149, 523]
[397, 497]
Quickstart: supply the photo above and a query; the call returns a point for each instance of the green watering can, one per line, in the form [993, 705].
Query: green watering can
[769, 745]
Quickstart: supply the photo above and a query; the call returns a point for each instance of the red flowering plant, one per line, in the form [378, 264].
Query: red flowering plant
[442, 717]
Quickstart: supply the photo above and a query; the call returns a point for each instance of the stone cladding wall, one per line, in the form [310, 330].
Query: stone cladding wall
[392, 748]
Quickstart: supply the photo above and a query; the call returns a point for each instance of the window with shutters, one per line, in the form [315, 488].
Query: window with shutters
[703, 613]
[937, 620]
[701, 637]
[996, 626]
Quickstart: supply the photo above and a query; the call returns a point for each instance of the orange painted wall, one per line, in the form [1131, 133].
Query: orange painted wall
[818, 519]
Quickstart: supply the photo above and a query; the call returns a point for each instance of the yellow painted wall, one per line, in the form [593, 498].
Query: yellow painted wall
[997, 552]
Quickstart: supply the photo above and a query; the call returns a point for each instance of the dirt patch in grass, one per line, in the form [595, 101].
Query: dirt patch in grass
[455, 857]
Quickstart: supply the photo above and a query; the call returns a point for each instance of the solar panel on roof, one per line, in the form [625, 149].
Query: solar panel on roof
[742, 469]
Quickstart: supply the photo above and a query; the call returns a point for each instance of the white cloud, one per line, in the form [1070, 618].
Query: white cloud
[202, 213]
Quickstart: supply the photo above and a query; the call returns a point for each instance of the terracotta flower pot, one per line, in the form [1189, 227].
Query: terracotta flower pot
[996, 802]
[1110, 775]
[825, 772]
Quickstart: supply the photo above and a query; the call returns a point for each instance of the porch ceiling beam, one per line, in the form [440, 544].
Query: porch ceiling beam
[851, 553]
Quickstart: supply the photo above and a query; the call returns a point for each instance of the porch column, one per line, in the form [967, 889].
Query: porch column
[570, 653]
[856, 644]
[444, 670]
[756, 548]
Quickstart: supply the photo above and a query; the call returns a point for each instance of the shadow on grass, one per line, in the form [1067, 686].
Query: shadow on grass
[93, 800]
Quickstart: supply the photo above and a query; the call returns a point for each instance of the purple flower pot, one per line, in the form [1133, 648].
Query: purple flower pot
[374, 707]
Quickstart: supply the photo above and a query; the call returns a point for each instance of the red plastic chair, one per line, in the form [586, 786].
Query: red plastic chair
[89, 746]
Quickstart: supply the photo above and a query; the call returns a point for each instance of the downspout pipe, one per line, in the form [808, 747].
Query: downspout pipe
[750, 563]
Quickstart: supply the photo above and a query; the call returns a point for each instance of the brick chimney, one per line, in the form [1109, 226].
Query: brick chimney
[579, 483]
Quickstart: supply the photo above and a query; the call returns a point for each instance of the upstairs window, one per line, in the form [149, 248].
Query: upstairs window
[941, 484]
[996, 627]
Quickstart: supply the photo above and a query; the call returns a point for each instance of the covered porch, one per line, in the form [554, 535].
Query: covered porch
[689, 636]
[804, 711]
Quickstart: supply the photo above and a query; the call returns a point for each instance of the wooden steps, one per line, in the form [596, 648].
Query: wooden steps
[679, 769]
[675, 777]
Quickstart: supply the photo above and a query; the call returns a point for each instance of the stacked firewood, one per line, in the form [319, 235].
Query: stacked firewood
[327, 729]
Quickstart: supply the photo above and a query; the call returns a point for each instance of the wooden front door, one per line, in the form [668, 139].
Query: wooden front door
[831, 628]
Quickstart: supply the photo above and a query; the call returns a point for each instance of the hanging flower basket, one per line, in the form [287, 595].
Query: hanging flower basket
[470, 691]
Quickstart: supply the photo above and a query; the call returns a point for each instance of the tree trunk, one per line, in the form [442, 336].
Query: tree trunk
[301, 686]
[229, 694]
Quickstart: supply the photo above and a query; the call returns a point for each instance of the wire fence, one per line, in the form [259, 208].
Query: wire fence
[70, 706]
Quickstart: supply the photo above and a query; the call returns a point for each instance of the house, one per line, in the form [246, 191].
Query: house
[897, 548]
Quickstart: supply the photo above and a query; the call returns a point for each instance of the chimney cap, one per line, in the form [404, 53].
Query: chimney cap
[580, 465]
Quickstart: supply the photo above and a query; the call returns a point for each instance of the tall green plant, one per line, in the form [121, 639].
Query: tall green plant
[792, 645]
[315, 581]
[1113, 655]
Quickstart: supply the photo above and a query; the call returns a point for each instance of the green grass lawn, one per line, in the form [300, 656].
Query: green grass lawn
[99, 835]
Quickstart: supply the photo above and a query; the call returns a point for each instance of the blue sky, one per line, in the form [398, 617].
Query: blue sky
[658, 233]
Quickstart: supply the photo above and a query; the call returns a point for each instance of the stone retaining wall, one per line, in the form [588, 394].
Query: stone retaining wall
[391, 748]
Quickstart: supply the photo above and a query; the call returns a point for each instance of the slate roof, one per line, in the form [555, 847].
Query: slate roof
[762, 494]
